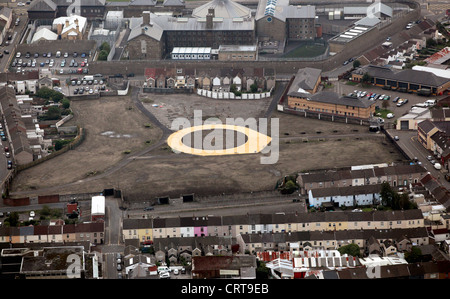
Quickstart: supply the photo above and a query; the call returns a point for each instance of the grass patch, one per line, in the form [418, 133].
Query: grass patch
[306, 51]
[383, 113]
[351, 83]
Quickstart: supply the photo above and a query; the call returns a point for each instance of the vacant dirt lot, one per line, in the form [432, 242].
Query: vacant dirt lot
[162, 172]
[167, 108]
[113, 125]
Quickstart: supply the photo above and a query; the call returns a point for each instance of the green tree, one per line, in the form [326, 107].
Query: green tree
[387, 194]
[254, 87]
[350, 249]
[65, 103]
[262, 272]
[13, 219]
[414, 255]
[103, 55]
[105, 47]
[53, 113]
[356, 64]
[366, 78]
[59, 145]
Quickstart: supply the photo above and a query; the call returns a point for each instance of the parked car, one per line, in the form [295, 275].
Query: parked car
[396, 138]
[390, 115]
[165, 275]
[148, 209]
[32, 214]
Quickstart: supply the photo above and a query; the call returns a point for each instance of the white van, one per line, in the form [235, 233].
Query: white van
[430, 102]
[162, 269]
[438, 166]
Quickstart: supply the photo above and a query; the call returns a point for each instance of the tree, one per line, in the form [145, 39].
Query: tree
[13, 219]
[356, 64]
[254, 87]
[103, 55]
[262, 272]
[105, 47]
[53, 113]
[431, 43]
[59, 144]
[350, 249]
[65, 103]
[413, 256]
[385, 104]
[366, 78]
[386, 194]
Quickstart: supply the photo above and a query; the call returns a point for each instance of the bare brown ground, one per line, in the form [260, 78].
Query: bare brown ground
[161, 172]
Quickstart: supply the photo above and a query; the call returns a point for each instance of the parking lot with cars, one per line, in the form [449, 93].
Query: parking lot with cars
[58, 62]
[399, 103]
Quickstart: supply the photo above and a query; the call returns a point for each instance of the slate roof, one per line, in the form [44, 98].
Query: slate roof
[222, 9]
[346, 191]
[160, 23]
[42, 5]
[330, 97]
[306, 78]
[407, 75]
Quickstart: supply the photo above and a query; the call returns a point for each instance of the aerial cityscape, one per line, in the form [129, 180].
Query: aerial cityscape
[225, 139]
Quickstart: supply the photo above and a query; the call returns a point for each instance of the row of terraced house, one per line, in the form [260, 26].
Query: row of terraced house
[232, 226]
[93, 232]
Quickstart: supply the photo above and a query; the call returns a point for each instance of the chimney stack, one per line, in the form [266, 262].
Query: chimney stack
[209, 18]
[146, 18]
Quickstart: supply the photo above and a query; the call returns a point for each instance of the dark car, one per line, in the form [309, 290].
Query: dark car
[6, 51]
[148, 209]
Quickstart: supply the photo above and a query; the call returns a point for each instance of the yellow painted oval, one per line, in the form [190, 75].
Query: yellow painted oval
[256, 141]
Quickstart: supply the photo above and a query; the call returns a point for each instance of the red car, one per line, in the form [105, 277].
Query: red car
[6, 149]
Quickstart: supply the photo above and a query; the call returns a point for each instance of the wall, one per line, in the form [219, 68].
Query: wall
[341, 110]
[230, 95]
[274, 30]
[153, 49]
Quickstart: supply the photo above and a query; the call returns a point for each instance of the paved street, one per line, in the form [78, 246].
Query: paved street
[408, 142]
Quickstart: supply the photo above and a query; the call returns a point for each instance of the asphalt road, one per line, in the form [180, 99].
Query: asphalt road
[409, 144]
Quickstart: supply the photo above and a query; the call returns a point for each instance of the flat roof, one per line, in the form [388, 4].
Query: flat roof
[237, 48]
[98, 205]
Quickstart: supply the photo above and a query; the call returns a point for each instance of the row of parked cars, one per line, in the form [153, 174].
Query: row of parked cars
[58, 54]
[374, 96]
[370, 95]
